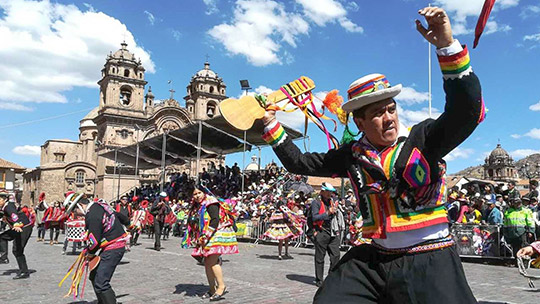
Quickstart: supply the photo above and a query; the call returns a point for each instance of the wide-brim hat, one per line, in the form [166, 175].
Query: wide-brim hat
[327, 187]
[71, 201]
[4, 193]
[369, 89]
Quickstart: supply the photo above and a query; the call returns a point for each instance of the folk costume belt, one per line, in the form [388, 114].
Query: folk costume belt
[423, 247]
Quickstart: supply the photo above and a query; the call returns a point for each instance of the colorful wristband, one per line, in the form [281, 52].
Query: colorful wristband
[457, 65]
[274, 134]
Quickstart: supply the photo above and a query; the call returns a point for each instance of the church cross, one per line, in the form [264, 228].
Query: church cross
[172, 93]
[207, 57]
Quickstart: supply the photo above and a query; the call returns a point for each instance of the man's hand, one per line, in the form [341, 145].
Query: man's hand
[270, 114]
[525, 251]
[17, 229]
[530, 235]
[439, 31]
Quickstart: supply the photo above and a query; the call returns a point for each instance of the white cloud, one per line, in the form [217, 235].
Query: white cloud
[535, 107]
[211, 6]
[411, 117]
[461, 10]
[533, 37]
[521, 153]
[48, 48]
[533, 133]
[353, 7]
[14, 106]
[529, 11]
[322, 12]
[176, 34]
[150, 17]
[409, 96]
[459, 153]
[27, 150]
[259, 28]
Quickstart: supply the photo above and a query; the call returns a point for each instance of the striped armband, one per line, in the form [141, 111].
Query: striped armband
[274, 134]
[456, 65]
[18, 225]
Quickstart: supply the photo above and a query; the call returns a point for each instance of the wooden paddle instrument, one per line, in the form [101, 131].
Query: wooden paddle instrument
[242, 113]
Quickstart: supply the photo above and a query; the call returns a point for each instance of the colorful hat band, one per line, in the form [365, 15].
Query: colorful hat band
[373, 85]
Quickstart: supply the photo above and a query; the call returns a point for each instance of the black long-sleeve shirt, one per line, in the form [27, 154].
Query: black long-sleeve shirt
[103, 226]
[14, 217]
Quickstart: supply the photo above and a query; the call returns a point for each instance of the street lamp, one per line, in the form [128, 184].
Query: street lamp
[530, 171]
[244, 84]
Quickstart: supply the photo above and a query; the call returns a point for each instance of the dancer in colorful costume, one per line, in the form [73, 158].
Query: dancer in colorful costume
[137, 223]
[285, 225]
[19, 232]
[398, 179]
[104, 232]
[54, 220]
[212, 234]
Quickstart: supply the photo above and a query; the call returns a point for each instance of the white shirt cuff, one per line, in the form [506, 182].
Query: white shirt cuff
[450, 50]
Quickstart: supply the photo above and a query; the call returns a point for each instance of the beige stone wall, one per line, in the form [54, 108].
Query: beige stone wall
[72, 152]
[109, 185]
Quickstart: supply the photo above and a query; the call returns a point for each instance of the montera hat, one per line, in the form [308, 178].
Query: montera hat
[71, 201]
[369, 89]
[328, 187]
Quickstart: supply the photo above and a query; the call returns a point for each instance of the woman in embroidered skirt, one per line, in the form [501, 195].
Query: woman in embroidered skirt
[212, 235]
[54, 220]
[285, 225]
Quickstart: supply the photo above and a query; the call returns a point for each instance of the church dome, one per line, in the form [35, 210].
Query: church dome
[123, 53]
[206, 72]
[88, 120]
[499, 152]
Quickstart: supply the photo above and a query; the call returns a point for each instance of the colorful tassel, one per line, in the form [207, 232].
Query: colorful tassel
[333, 101]
[348, 136]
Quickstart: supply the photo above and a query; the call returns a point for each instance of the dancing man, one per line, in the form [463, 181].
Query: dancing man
[19, 230]
[104, 232]
[398, 179]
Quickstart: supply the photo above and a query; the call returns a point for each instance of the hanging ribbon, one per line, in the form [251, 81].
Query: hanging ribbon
[482, 20]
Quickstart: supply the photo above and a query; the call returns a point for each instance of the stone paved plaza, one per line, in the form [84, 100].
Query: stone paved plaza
[253, 276]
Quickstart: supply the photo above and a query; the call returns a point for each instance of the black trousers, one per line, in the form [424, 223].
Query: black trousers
[158, 228]
[102, 274]
[325, 243]
[365, 275]
[54, 229]
[41, 231]
[20, 239]
[518, 243]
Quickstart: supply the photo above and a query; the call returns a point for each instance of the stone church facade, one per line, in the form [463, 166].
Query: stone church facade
[124, 116]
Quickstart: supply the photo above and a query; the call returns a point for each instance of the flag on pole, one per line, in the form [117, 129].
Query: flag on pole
[482, 20]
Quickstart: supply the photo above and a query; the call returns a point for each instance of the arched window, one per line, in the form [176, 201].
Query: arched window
[211, 89]
[79, 177]
[140, 75]
[125, 95]
[211, 109]
[113, 70]
[126, 72]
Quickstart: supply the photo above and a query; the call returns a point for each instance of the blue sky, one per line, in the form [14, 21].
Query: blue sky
[52, 53]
